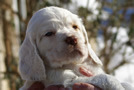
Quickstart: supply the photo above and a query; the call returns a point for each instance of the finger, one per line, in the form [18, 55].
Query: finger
[84, 86]
[92, 87]
[56, 87]
[37, 86]
[80, 86]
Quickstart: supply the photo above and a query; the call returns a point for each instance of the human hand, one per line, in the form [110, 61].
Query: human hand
[77, 86]
[37, 86]
[84, 86]
[56, 87]
[40, 86]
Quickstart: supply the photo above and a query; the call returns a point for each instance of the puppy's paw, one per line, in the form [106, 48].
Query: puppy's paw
[68, 82]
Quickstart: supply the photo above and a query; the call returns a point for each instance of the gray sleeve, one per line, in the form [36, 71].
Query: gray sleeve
[104, 81]
[127, 86]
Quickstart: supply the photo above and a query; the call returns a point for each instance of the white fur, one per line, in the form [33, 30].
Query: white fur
[49, 58]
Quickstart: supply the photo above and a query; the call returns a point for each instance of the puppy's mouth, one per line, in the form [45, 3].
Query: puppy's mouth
[68, 55]
[74, 49]
[78, 51]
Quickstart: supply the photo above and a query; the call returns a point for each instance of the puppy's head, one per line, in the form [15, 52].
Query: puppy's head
[54, 37]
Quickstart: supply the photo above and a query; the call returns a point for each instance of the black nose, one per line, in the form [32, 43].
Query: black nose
[71, 40]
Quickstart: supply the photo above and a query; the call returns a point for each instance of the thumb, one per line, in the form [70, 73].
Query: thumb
[37, 86]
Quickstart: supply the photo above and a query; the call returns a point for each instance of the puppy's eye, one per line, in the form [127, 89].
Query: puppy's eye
[49, 34]
[75, 26]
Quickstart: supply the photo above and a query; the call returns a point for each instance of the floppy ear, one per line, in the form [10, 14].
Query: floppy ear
[91, 53]
[31, 66]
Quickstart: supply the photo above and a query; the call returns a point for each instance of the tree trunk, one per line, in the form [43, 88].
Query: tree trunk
[3, 82]
[10, 40]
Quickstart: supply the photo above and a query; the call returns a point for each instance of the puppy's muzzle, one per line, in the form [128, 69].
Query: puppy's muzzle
[71, 40]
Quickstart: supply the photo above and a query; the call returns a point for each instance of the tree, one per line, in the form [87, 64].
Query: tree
[112, 14]
[10, 41]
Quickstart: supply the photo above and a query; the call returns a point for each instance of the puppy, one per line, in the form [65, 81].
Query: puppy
[55, 47]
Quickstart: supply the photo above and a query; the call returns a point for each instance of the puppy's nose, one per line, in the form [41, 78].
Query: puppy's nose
[71, 40]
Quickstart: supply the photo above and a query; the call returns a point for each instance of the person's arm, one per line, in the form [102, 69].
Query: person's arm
[77, 86]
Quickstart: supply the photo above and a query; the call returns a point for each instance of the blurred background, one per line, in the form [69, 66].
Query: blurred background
[109, 23]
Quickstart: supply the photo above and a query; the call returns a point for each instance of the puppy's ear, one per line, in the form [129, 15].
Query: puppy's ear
[91, 53]
[31, 66]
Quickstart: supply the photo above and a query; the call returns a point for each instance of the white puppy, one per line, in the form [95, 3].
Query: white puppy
[55, 47]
